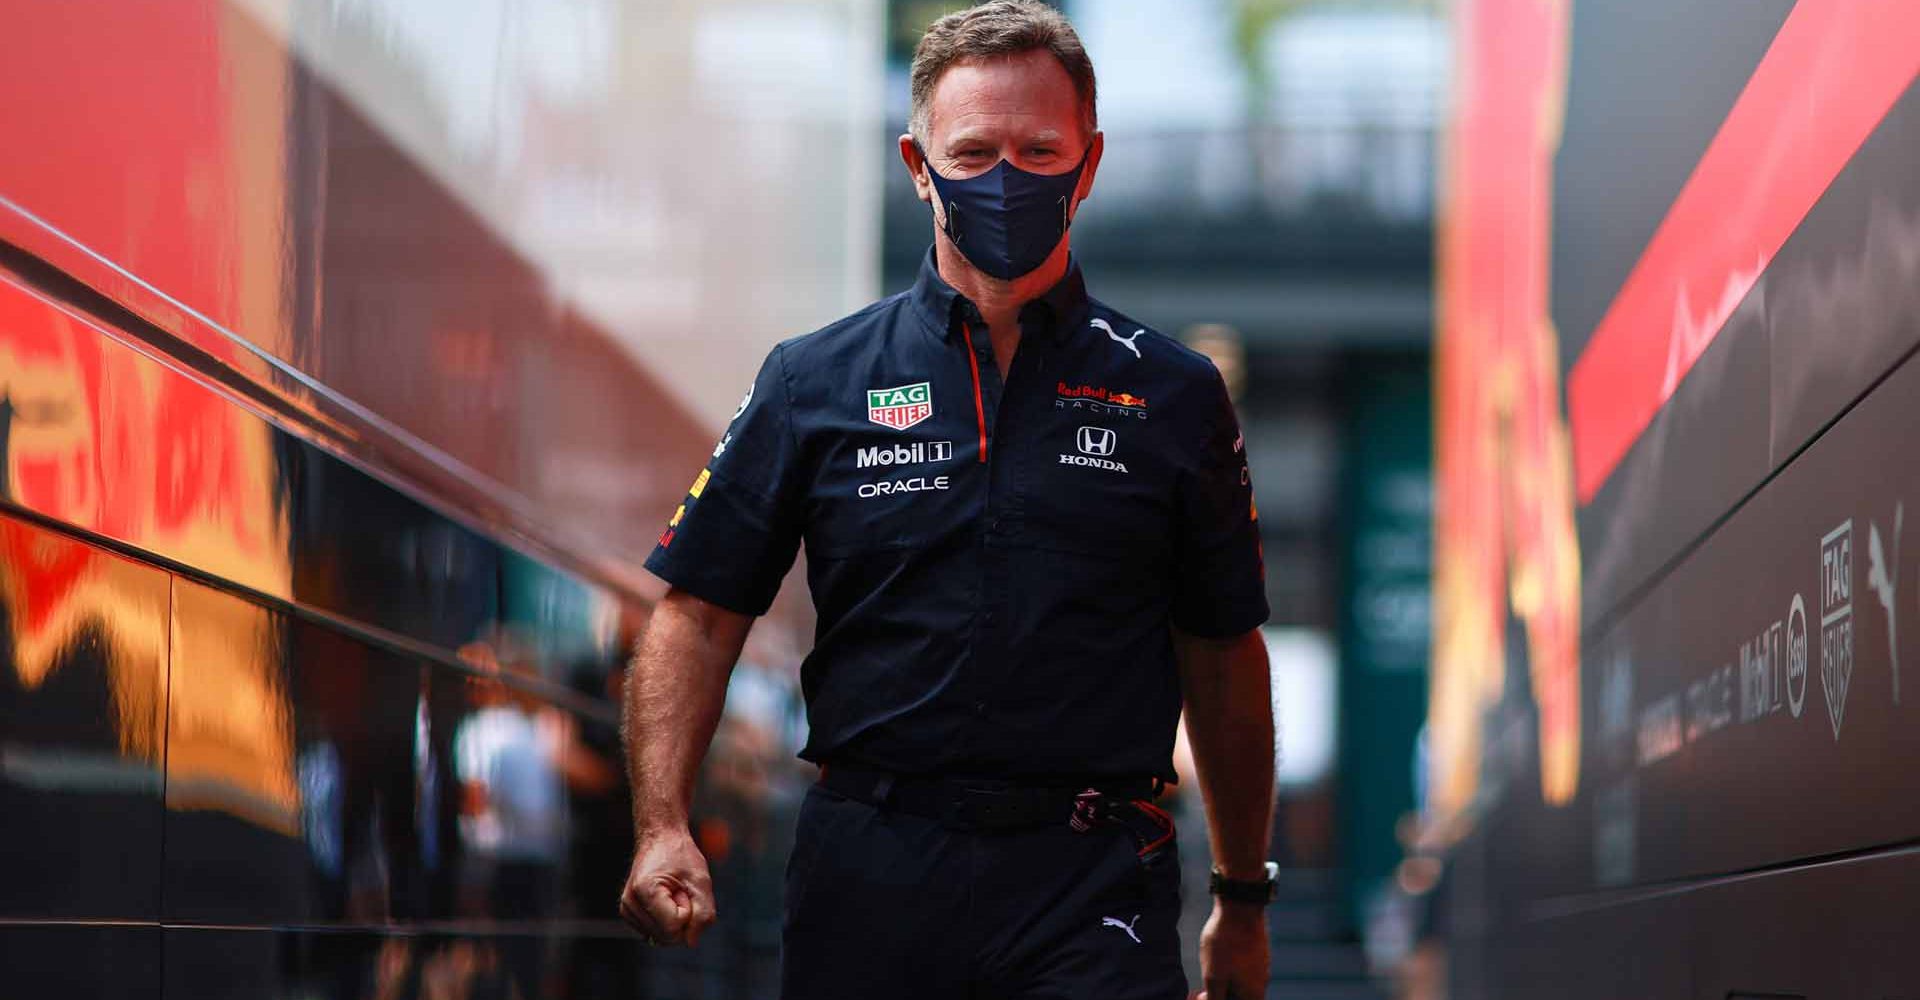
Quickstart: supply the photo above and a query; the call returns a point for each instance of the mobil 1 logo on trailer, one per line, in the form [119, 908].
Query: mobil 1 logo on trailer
[901, 406]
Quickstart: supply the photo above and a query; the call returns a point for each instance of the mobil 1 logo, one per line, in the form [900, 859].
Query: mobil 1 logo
[915, 453]
[1773, 666]
[1836, 620]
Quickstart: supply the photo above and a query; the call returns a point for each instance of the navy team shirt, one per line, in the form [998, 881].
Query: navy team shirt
[995, 564]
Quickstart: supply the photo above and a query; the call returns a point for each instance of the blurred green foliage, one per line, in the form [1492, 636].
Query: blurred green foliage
[1254, 19]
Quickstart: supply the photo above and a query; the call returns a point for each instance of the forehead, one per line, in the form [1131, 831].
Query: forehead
[1028, 91]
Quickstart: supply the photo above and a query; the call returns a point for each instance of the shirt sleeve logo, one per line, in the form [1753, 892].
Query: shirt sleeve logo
[900, 407]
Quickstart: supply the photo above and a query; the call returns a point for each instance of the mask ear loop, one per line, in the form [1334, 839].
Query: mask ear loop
[951, 227]
[1066, 200]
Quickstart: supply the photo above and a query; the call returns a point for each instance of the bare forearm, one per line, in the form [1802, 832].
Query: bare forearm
[1229, 705]
[675, 691]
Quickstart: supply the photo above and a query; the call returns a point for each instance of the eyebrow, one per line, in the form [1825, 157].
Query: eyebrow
[1048, 134]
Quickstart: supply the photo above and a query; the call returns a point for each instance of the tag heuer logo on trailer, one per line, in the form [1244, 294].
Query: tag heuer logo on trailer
[902, 406]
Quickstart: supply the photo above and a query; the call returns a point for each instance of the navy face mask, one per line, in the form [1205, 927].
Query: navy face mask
[1007, 221]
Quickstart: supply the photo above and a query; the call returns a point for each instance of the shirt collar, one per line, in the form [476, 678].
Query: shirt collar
[1059, 311]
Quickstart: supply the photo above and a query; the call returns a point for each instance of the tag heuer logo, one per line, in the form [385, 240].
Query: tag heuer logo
[902, 406]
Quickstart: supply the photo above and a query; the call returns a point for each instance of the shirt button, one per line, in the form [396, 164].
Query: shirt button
[979, 708]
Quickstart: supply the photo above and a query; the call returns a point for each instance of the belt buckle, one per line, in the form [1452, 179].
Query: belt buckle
[1090, 809]
[975, 806]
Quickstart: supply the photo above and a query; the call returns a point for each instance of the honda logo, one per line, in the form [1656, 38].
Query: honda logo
[1096, 441]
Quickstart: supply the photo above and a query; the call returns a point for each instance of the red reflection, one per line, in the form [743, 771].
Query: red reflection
[1832, 73]
[1504, 533]
[105, 439]
[131, 111]
[55, 589]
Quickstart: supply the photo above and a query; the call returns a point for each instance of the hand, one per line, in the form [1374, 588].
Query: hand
[1233, 953]
[668, 898]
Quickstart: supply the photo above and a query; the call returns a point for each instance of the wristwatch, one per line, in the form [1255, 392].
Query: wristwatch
[1258, 892]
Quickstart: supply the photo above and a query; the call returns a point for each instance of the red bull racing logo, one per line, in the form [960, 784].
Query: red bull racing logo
[1099, 400]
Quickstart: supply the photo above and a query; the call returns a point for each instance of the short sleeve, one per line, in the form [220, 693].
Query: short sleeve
[1219, 573]
[734, 535]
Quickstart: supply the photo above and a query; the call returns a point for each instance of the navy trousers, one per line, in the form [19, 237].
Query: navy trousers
[883, 904]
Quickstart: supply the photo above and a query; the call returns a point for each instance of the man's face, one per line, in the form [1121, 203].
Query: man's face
[1021, 108]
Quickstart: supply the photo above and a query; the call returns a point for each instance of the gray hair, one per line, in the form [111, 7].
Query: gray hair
[1000, 28]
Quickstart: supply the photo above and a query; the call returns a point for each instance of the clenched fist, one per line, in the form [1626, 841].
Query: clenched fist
[668, 897]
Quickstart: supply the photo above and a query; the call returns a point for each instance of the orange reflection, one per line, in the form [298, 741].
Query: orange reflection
[230, 726]
[1504, 531]
[105, 439]
[55, 589]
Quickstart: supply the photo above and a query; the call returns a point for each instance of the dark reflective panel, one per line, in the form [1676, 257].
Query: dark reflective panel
[224, 963]
[266, 964]
[744, 810]
[537, 826]
[568, 623]
[365, 778]
[507, 812]
[294, 771]
[79, 962]
[600, 804]
[82, 681]
[366, 551]
[102, 437]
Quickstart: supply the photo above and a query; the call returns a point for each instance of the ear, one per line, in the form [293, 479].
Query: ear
[916, 168]
[1094, 151]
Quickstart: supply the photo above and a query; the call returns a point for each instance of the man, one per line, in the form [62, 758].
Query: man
[1030, 540]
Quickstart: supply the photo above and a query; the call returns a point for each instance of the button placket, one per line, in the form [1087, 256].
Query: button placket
[1025, 414]
[988, 644]
[1012, 455]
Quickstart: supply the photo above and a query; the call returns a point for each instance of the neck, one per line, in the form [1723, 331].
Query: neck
[998, 300]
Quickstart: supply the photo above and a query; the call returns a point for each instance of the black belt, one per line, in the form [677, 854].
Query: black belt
[975, 803]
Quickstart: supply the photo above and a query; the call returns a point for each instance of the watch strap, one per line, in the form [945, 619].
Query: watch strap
[1258, 892]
